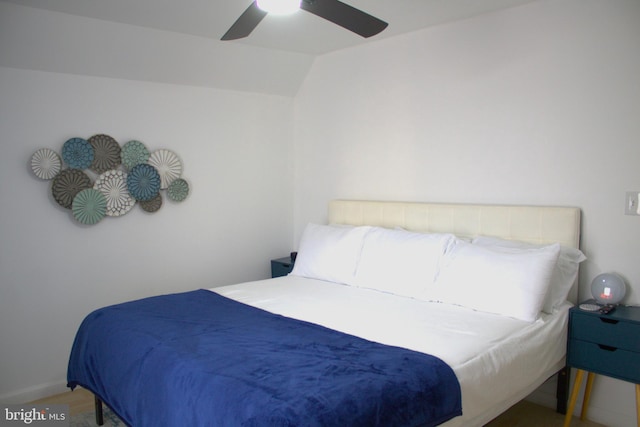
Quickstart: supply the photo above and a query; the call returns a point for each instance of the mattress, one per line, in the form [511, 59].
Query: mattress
[507, 356]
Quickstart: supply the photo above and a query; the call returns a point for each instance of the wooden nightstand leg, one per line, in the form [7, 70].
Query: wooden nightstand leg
[638, 403]
[574, 396]
[587, 396]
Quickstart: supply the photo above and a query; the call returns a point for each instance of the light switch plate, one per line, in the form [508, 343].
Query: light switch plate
[631, 206]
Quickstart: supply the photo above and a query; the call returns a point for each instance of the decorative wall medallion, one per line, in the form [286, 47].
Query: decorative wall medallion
[178, 190]
[168, 166]
[77, 153]
[115, 191]
[143, 182]
[134, 153]
[67, 184]
[152, 205]
[106, 153]
[45, 163]
[89, 206]
[113, 185]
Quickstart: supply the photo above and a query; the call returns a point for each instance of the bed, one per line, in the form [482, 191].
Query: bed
[408, 313]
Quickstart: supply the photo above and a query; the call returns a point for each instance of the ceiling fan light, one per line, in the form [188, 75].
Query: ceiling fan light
[279, 7]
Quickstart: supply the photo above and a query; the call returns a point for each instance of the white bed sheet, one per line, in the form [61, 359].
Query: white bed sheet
[498, 360]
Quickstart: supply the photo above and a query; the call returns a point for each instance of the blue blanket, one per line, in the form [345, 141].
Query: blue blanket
[200, 359]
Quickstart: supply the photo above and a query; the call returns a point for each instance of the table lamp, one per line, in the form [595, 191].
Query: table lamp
[608, 288]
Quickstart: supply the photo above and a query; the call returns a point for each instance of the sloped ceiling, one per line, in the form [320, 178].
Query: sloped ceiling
[273, 59]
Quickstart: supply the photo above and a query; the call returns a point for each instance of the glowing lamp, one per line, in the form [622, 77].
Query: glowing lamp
[608, 288]
[279, 7]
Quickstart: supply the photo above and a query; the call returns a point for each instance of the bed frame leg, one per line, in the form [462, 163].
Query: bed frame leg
[98, 405]
[562, 390]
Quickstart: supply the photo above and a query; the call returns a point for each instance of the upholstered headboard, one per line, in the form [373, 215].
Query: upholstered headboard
[534, 224]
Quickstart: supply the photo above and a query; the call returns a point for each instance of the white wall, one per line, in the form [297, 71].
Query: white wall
[539, 104]
[235, 148]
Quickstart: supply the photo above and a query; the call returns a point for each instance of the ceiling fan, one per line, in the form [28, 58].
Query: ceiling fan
[334, 11]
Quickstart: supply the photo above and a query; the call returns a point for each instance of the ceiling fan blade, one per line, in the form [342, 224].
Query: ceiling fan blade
[346, 16]
[243, 26]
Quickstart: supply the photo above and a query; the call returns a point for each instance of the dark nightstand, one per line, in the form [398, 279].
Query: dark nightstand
[606, 344]
[281, 266]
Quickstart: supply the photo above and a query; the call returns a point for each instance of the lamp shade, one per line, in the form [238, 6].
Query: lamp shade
[608, 288]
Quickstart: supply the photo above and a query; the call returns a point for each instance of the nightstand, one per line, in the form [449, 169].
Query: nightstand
[605, 344]
[281, 266]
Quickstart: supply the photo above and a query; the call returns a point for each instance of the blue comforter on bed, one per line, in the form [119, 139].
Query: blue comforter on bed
[200, 359]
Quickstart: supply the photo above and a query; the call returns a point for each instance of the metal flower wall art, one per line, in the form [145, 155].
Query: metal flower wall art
[96, 177]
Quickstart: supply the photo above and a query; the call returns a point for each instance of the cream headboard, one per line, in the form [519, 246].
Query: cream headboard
[534, 224]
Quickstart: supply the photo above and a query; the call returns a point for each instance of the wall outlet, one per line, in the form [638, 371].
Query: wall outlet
[631, 206]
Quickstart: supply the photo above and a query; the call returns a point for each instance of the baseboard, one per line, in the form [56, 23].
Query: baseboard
[33, 393]
[610, 418]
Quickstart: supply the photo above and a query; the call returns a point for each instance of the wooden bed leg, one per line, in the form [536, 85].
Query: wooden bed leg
[562, 390]
[98, 405]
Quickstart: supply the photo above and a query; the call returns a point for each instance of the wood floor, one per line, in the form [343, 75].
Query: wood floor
[527, 414]
[79, 400]
[523, 414]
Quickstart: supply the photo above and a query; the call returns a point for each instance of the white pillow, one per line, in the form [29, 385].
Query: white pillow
[400, 262]
[564, 275]
[329, 252]
[512, 282]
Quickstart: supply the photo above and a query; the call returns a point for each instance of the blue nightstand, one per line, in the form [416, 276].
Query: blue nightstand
[606, 344]
[281, 266]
